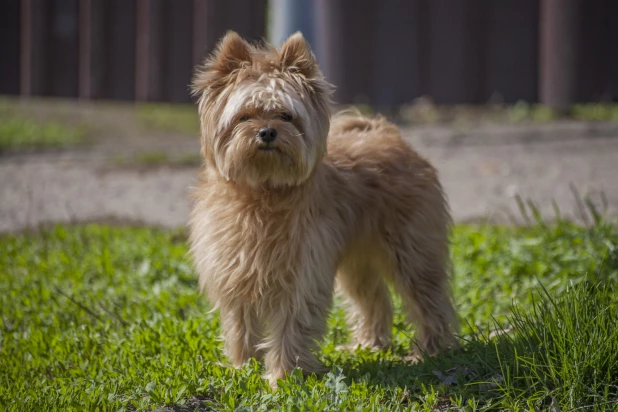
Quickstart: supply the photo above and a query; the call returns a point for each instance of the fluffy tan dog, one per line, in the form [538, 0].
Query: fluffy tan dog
[280, 210]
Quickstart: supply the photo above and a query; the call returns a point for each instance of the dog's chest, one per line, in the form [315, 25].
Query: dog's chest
[248, 253]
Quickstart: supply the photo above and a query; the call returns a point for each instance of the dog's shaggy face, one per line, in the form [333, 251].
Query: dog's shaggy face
[265, 112]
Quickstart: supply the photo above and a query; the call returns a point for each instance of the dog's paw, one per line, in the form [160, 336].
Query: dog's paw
[413, 357]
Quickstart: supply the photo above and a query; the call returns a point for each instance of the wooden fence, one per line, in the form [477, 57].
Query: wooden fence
[115, 49]
[385, 52]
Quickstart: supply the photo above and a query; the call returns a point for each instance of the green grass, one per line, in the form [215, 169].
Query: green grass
[595, 111]
[108, 318]
[425, 112]
[17, 132]
[181, 118]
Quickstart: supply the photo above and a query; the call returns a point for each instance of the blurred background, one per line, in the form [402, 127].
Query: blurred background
[381, 53]
[512, 100]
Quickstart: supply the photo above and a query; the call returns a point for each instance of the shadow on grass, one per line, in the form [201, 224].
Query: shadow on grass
[561, 352]
[469, 372]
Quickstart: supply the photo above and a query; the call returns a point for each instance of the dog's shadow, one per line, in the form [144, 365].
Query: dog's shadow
[468, 370]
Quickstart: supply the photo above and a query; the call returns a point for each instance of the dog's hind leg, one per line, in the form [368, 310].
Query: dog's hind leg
[420, 264]
[369, 311]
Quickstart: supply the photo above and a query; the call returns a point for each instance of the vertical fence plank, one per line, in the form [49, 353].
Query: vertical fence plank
[345, 38]
[396, 77]
[25, 46]
[512, 50]
[447, 51]
[120, 50]
[107, 49]
[201, 47]
[612, 16]
[86, 44]
[212, 19]
[384, 53]
[594, 45]
[151, 48]
[455, 58]
[157, 48]
[142, 47]
[179, 60]
[559, 52]
[207, 27]
[9, 46]
[62, 58]
[34, 47]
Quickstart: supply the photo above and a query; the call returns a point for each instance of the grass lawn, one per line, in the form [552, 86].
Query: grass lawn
[176, 117]
[107, 318]
[17, 132]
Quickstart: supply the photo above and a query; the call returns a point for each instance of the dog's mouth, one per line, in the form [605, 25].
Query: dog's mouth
[268, 148]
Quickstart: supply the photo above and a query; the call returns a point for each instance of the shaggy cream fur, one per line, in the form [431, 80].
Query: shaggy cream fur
[275, 223]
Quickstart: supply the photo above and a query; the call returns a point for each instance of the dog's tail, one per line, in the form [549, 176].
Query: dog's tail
[352, 120]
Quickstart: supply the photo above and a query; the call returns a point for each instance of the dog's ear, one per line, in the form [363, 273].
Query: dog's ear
[296, 55]
[232, 53]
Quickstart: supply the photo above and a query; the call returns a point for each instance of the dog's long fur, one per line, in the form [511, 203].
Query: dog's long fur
[272, 225]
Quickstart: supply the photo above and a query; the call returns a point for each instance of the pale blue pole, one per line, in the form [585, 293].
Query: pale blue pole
[288, 16]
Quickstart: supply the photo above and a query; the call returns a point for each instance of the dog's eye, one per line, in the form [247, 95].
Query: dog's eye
[286, 117]
[244, 118]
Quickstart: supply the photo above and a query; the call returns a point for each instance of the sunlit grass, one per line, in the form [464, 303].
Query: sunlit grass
[180, 118]
[18, 132]
[109, 318]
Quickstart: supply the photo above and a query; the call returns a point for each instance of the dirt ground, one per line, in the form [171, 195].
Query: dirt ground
[483, 170]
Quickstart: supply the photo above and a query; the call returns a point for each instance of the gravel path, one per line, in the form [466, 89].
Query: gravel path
[482, 171]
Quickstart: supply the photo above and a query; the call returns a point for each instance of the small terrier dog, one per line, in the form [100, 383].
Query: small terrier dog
[290, 200]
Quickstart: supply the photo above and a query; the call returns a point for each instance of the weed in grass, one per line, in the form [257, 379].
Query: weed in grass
[25, 133]
[181, 118]
[109, 318]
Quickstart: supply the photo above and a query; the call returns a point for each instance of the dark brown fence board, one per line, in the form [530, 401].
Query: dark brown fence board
[179, 59]
[62, 49]
[107, 49]
[613, 50]
[346, 38]
[383, 53]
[89, 46]
[10, 26]
[511, 71]
[120, 50]
[157, 48]
[559, 51]
[593, 68]
[395, 58]
[448, 52]
[35, 47]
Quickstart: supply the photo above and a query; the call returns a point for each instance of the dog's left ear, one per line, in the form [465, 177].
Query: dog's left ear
[231, 54]
[296, 55]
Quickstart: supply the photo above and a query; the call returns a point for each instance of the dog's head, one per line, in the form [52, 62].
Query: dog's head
[264, 112]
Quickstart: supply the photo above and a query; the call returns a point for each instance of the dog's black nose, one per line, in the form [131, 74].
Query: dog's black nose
[267, 134]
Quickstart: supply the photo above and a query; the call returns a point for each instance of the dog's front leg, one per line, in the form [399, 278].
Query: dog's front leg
[241, 333]
[295, 325]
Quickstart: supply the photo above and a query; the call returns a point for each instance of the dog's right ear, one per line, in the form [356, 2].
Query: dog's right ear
[232, 53]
